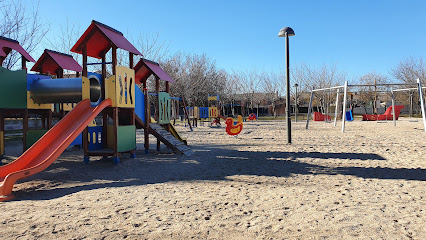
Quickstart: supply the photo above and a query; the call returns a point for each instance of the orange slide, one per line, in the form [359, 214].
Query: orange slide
[48, 148]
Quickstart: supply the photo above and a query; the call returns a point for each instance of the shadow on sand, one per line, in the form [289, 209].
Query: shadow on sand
[205, 164]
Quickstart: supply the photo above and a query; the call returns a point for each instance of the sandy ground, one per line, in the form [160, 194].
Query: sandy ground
[368, 183]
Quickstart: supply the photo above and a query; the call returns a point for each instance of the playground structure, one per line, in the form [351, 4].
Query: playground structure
[321, 117]
[252, 117]
[115, 98]
[391, 112]
[388, 115]
[212, 113]
[205, 114]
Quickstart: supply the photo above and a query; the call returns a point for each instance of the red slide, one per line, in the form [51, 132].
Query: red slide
[48, 148]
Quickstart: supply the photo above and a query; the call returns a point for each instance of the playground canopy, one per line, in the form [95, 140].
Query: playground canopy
[144, 68]
[51, 61]
[98, 38]
[7, 44]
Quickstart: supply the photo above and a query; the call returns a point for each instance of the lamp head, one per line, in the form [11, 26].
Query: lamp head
[288, 30]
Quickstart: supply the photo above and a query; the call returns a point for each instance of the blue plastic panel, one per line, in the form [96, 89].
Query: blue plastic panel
[140, 104]
[78, 141]
[204, 112]
[95, 138]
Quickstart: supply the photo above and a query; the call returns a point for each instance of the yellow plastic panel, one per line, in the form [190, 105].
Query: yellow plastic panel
[69, 106]
[93, 124]
[32, 105]
[110, 90]
[196, 112]
[213, 112]
[125, 87]
[212, 98]
[85, 88]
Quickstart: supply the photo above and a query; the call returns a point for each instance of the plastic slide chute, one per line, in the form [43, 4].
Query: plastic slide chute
[48, 148]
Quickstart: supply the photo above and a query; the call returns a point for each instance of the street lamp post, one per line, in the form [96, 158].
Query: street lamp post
[286, 32]
[295, 102]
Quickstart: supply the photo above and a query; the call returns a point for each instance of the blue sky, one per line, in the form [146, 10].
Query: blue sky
[356, 36]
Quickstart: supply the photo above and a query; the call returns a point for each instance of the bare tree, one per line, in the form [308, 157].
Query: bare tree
[152, 48]
[196, 77]
[365, 98]
[409, 69]
[311, 77]
[22, 24]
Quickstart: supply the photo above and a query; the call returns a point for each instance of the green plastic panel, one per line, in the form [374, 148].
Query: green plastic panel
[164, 113]
[126, 138]
[13, 88]
[34, 135]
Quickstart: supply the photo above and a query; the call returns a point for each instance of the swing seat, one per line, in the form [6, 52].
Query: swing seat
[349, 116]
[321, 117]
[385, 116]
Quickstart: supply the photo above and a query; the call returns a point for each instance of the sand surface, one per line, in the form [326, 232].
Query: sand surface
[367, 183]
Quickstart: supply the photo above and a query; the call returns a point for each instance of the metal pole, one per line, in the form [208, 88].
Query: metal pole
[295, 109]
[309, 109]
[393, 109]
[288, 89]
[337, 107]
[422, 103]
[345, 89]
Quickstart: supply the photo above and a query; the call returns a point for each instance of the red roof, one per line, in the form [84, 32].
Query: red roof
[50, 61]
[145, 68]
[99, 38]
[7, 44]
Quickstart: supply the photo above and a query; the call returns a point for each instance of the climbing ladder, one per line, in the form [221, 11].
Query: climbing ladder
[165, 137]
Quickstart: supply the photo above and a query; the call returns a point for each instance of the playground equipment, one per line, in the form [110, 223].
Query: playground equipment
[345, 87]
[349, 116]
[252, 117]
[388, 115]
[163, 130]
[321, 117]
[114, 98]
[234, 128]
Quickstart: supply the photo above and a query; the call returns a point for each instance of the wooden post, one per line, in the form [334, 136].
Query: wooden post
[84, 52]
[147, 117]
[104, 128]
[25, 129]
[115, 126]
[85, 137]
[167, 87]
[133, 122]
[49, 119]
[157, 104]
[114, 59]
[2, 136]
[24, 64]
[103, 77]
[60, 73]
[130, 60]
